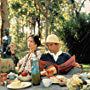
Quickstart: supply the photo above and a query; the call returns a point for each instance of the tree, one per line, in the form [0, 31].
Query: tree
[76, 35]
[4, 17]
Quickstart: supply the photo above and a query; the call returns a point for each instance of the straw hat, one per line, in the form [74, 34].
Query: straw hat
[52, 38]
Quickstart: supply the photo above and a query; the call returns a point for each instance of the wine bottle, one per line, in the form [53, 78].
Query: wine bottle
[35, 72]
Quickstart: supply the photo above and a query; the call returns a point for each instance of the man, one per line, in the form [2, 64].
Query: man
[6, 41]
[63, 62]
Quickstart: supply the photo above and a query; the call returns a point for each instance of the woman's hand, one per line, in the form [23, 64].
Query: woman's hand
[12, 48]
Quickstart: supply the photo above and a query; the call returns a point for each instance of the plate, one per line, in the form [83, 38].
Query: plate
[59, 79]
[88, 81]
[23, 85]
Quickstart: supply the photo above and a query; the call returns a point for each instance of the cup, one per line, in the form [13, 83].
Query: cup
[46, 82]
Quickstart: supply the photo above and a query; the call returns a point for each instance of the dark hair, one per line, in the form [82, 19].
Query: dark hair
[36, 39]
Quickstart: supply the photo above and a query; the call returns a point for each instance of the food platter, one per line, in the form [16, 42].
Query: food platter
[58, 79]
[21, 86]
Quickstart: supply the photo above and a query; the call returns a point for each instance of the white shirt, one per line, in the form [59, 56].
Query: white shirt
[55, 56]
[5, 38]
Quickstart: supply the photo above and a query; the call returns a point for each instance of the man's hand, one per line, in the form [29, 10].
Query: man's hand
[77, 65]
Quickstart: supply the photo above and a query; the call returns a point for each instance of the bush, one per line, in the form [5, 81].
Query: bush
[6, 65]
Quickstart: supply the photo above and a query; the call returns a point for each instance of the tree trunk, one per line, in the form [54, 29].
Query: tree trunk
[46, 14]
[4, 17]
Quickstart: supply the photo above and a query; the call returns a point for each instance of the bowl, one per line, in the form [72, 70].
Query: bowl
[24, 78]
[11, 76]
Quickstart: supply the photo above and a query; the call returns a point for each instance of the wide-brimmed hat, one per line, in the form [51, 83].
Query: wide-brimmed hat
[52, 38]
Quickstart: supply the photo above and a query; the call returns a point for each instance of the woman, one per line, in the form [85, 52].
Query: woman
[25, 63]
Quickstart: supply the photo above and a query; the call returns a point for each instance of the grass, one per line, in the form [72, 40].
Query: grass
[86, 67]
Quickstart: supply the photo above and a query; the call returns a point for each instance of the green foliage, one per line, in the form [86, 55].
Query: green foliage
[15, 6]
[71, 27]
[57, 16]
[86, 67]
[84, 21]
[6, 65]
[42, 2]
[76, 27]
[76, 34]
[23, 11]
[71, 1]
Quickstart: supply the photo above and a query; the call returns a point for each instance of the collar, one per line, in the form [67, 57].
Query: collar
[55, 56]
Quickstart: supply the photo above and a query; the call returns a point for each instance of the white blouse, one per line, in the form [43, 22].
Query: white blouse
[25, 62]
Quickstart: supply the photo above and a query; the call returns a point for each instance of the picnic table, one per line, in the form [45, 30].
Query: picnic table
[39, 87]
[51, 87]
